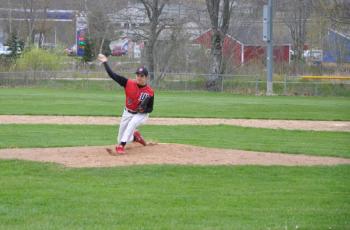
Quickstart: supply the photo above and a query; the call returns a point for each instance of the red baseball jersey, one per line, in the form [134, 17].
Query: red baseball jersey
[134, 94]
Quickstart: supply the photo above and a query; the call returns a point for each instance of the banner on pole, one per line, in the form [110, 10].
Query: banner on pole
[81, 33]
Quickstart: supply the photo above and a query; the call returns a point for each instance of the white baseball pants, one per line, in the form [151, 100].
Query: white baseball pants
[128, 124]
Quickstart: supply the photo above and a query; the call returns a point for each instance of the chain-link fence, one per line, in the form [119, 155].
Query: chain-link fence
[256, 85]
[237, 84]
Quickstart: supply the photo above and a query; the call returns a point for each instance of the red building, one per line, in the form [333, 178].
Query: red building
[247, 47]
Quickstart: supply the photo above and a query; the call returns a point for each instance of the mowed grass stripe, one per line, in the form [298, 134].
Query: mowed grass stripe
[51, 101]
[46, 196]
[217, 136]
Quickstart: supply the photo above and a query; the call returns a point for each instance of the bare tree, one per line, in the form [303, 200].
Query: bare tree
[9, 6]
[29, 11]
[219, 27]
[99, 29]
[33, 10]
[43, 27]
[296, 14]
[246, 26]
[100, 25]
[156, 23]
[154, 10]
[165, 58]
[337, 11]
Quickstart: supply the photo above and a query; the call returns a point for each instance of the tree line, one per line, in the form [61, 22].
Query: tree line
[163, 23]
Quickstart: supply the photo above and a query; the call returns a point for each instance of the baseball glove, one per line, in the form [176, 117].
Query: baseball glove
[143, 105]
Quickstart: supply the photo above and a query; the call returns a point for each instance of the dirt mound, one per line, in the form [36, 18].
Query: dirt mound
[98, 156]
[168, 153]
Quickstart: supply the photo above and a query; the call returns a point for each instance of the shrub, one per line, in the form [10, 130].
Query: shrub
[36, 59]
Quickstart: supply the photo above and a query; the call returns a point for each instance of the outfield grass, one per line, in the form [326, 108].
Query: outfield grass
[218, 136]
[51, 101]
[46, 196]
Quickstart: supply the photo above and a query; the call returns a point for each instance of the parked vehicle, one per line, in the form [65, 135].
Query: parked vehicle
[313, 55]
[119, 47]
[71, 51]
[5, 50]
[119, 51]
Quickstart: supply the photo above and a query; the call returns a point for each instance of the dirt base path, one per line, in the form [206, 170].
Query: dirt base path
[343, 126]
[177, 154]
[168, 153]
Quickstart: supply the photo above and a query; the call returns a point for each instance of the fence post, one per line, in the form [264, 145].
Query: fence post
[26, 74]
[285, 85]
[222, 83]
[316, 88]
[256, 85]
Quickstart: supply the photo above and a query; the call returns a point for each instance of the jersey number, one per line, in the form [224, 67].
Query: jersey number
[143, 96]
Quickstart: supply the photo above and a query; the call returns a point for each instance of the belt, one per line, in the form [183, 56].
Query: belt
[130, 111]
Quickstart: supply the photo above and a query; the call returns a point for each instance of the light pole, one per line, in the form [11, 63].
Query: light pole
[267, 36]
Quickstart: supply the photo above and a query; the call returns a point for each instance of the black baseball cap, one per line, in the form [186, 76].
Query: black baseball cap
[142, 70]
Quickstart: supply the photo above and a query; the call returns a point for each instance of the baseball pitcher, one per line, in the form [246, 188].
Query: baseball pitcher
[139, 97]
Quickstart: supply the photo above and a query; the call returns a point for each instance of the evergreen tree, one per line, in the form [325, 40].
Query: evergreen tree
[15, 45]
[88, 51]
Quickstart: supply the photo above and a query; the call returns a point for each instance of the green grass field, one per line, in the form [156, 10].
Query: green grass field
[45, 196]
[48, 196]
[51, 101]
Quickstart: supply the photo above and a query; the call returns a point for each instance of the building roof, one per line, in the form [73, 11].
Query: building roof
[40, 14]
[344, 34]
[253, 35]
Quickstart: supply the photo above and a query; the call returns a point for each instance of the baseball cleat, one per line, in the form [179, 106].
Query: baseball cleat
[138, 138]
[120, 149]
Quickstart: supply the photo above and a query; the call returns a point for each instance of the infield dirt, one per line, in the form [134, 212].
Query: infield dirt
[164, 153]
[176, 154]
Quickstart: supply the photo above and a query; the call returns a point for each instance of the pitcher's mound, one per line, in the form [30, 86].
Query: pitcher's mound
[136, 154]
